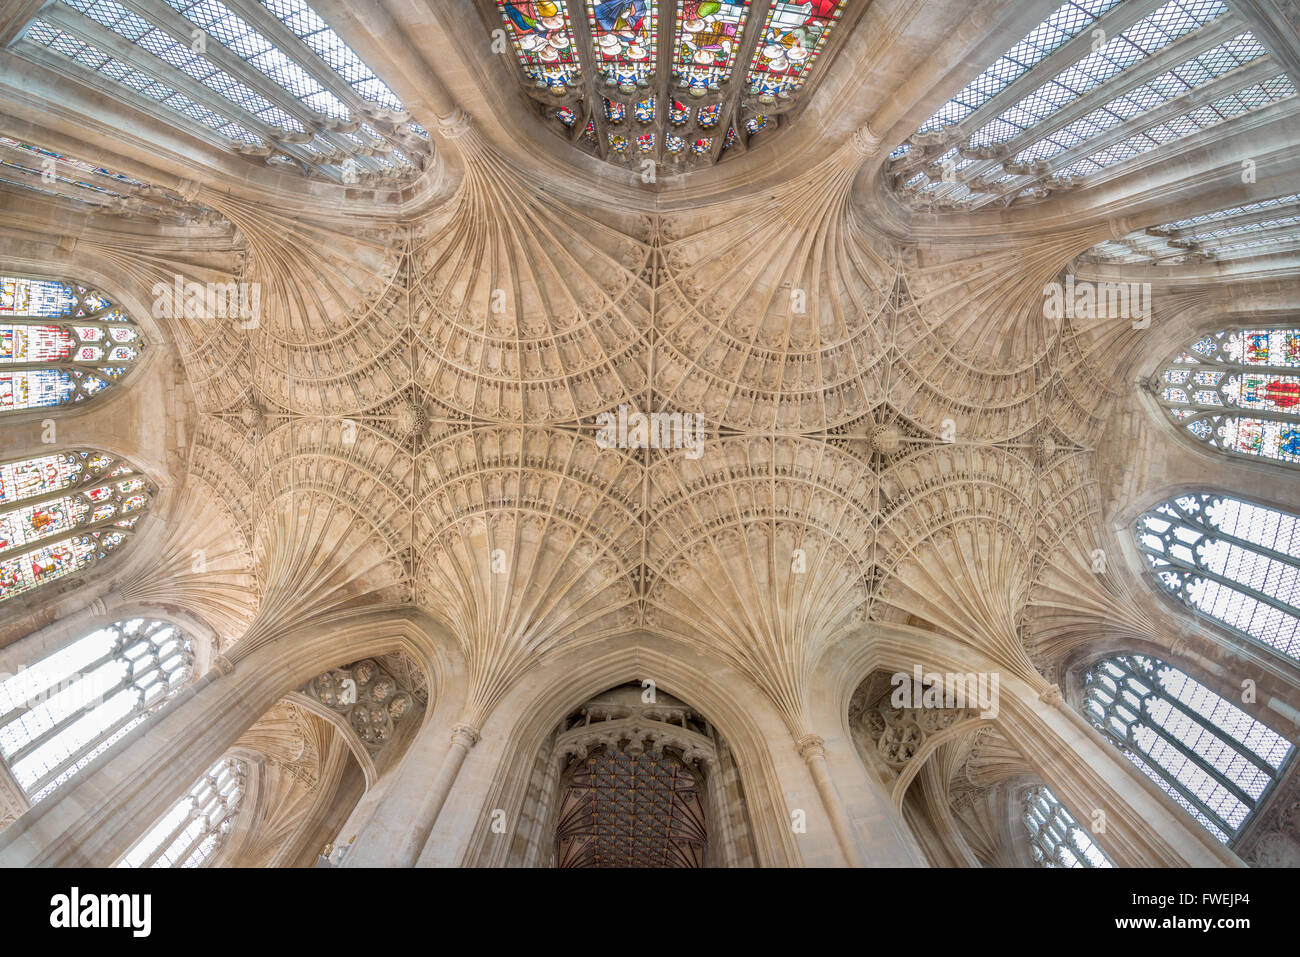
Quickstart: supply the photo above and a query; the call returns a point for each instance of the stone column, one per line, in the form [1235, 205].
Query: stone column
[463, 737]
[812, 748]
[724, 840]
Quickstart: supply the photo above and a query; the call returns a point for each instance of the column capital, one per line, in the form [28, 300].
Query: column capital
[811, 745]
[465, 734]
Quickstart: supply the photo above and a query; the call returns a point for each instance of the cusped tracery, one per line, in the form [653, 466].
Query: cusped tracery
[1229, 560]
[726, 73]
[1238, 391]
[61, 343]
[63, 512]
[1212, 758]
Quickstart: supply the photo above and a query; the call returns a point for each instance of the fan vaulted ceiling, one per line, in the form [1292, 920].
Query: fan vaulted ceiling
[462, 270]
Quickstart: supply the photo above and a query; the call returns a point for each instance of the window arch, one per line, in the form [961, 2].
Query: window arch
[724, 77]
[1211, 757]
[1055, 839]
[272, 80]
[1230, 560]
[1238, 391]
[197, 826]
[60, 343]
[1096, 84]
[60, 513]
[71, 706]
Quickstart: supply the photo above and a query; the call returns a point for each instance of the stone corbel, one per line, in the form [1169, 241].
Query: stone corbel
[865, 141]
[455, 125]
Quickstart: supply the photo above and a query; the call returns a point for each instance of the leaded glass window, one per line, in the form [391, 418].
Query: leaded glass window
[60, 513]
[1252, 229]
[1091, 87]
[269, 79]
[64, 711]
[793, 35]
[191, 833]
[1238, 391]
[34, 168]
[63, 512]
[60, 343]
[1055, 839]
[1233, 561]
[598, 67]
[1211, 757]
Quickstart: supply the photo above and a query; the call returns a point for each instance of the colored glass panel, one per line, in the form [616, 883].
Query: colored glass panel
[624, 34]
[708, 37]
[543, 40]
[62, 361]
[61, 512]
[793, 35]
[1252, 370]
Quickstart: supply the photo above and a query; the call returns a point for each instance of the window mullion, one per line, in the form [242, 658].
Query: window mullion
[729, 113]
[1162, 732]
[1112, 23]
[87, 30]
[171, 837]
[1172, 781]
[265, 23]
[1148, 68]
[1236, 79]
[49, 734]
[21, 709]
[88, 748]
[181, 29]
[79, 531]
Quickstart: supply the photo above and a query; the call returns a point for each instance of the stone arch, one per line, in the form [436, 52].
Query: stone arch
[159, 759]
[518, 727]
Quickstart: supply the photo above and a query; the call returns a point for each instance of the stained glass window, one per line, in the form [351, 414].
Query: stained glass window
[625, 36]
[543, 41]
[191, 833]
[1211, 757]
[1055, 839]
[60, 343]
[793, 35]
[709, 33]
[680, 68]
[1230, 560]
[63, 511]
[1238, 391]
[64, 711]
